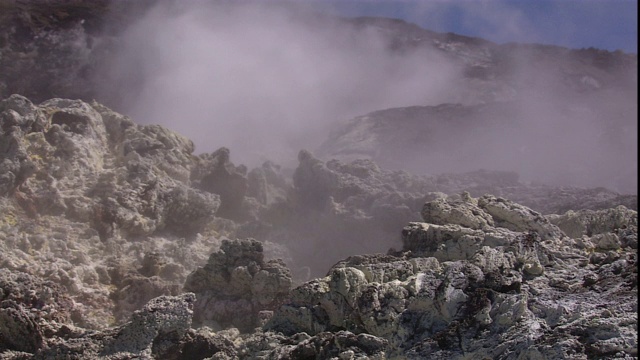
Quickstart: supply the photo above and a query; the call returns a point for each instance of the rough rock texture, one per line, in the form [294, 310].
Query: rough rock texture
[91, 164]
[115, 216]
[577, 224]
[31, 309]
[325, 345]
[100, 205]
[237, 286]
[160, 323]
[216, 174]
[36, 323]
[115, 239]
[367, 204]
[458, 292]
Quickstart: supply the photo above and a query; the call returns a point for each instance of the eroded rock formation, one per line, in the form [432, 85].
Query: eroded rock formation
[80, 184]
[474, 283]
[456, 289]
[118, 242]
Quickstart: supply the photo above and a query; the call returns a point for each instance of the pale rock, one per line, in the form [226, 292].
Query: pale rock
[347, 282]
[608, 241]
[463, 213]
[516, 217]
[444, 242]
[589, 222]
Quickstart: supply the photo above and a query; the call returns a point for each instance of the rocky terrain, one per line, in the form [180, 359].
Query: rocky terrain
[119, 241]
[547, 104]
[123, 243]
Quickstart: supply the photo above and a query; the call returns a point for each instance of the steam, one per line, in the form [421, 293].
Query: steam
[264, 81]
[267, 80]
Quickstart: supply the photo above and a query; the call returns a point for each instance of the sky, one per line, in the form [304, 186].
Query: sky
[603, 24]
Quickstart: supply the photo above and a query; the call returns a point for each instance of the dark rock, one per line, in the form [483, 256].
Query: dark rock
[30, 311]
[200, 344]
[237, 284]
[159, 325]
[218, 175]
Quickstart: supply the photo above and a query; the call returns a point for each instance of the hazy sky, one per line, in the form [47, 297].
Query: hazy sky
[603, 24]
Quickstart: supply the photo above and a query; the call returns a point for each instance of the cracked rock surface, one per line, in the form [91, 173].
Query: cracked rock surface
[458, 292]
[118, 242]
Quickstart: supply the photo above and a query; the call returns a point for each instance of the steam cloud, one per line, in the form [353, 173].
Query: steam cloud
[268, 80]
[263, 80]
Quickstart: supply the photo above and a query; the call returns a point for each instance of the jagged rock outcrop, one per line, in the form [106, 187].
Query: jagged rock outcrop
[543, 198]
[79, 184]
[267, 184]
[237, 286]
[115, 238]
[577, 224]
[456, 291]
[96, 166]
[118, 214]
[363, 202]
[216, 174]
[325, 345]
[514, 294]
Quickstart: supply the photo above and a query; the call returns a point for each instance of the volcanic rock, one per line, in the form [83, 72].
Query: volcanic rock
[118, 242]
[237, 284]
[78, 181]
[148, 332]
[455, 290]
[368, 204]
[120, 218]
[31, 309]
